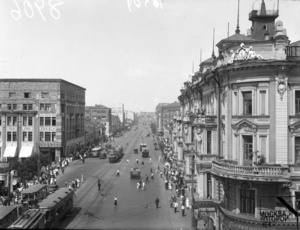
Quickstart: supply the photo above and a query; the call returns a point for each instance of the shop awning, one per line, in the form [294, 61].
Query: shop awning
[10, 151]
[25, 151]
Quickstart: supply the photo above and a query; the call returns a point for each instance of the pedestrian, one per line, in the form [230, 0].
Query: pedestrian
[175, 206]
[137, 161]
[144, 185]
[118, 172]
[150, 160]
[158, 167]
[99, 185]
[127, 161]
[66, 184]
[187, 203]
[182, 210]
[142, 163]
[83, 159]
[63, 170]
[152, 177]
[156, 202]
[115, 201]
[151, 170]
[75, 182]
[160, 174]
[147, 179]
[78, 181]
[137, 185]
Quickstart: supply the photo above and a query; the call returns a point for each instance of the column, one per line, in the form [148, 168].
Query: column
[180, 153]
[200, 183]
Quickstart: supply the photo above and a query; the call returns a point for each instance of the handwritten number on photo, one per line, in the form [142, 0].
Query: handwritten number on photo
[39, 5]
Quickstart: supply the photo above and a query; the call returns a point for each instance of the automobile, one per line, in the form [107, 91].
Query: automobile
[135, 173]
[136, 151]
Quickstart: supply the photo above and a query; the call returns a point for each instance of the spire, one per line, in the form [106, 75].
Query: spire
[213, 48]
[263, 8]
[237, 31]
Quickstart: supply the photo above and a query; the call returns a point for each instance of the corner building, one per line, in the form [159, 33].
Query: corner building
[44, 116]
[240, 118]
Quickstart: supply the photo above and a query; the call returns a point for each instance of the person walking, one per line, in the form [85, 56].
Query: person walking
[115, 201]
[182, 210]
[63, 169]
[137, 161]
[175, 206]
[156, 202]
[144, 185]
[150, 160]
[78, 181]
[152, 176]
[160, 174]
[99, 185]
[118, 173]
[187, 203]
[147, 179]
[137, 186]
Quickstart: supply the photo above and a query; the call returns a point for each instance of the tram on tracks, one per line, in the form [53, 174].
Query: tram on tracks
[56, 206]
[33, 194]
[115, 154]
[8, 214]
[31, 219]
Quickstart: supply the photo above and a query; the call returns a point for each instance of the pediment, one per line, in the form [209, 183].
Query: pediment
[295, 125]
[244, 123]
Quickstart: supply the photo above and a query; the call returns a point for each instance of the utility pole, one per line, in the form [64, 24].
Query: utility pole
[193, 221]
[9, 183]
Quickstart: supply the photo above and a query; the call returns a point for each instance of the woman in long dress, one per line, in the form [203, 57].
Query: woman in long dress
[187, 203]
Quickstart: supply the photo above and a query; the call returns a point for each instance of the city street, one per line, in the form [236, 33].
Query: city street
[136, 209]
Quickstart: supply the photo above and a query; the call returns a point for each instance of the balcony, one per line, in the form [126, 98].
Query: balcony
[266, 173]
[206, 120]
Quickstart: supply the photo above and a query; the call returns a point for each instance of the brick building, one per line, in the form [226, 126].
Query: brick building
[43, 116]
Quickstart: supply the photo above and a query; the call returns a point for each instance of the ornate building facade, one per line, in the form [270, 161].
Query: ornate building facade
[240, 119]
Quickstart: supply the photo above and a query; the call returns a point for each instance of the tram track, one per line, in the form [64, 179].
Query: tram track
[108, 184]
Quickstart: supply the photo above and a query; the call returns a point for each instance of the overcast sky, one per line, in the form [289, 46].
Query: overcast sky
[120, 51]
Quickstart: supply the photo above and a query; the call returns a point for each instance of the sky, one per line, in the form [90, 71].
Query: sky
[135, 52]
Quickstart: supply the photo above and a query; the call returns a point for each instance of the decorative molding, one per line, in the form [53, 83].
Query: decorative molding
[281, 87]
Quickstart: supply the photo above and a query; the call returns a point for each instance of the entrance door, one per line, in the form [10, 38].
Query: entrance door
[247, 150]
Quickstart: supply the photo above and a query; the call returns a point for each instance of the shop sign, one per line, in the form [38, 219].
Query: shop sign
[269, 217]
[230, 225]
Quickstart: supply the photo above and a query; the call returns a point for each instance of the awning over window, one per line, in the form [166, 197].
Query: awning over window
[25, 151]
[10, 151]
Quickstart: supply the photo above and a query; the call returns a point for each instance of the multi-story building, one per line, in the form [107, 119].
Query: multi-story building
[240, 114]
[116, 124]
[101, 115]
[118, 110]
[164, 115]
[43, 116]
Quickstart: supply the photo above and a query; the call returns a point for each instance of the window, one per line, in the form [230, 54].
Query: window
[247, 201]
[297, 150]
[47, 136]
[247, 103]
[47, 121]
[47, 107]
[25, 122]
[14, 136]
[62, 108]
[9, 120]
[29, 121]
[248, 147]
[14, 121]
[9, 107]
[208, 142]
[297, 101]
[263, 102]
[209, 186]
[53, 121]
[45, 94]
[263, 145]
[12, 95]
[42, 107]
[29, 136]
[53, 136]
[27, 95]
[9, 136]
[14, 106]
[25, 136]
[62, 95]
[42, 121]
[30, 107]
[25, 107]
[42, 138]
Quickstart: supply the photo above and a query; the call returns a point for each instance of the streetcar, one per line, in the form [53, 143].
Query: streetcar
[56, 206]
[145, 152]
[96, 151]
[31, 219]
[33, 194]
[8, 214]
[142, 145]
[115, 154]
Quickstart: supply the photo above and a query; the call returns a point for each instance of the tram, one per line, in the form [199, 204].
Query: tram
[115, 154]
[56, 206]
[33, 194]
[31, 219]
[8, 214]
[145, 152]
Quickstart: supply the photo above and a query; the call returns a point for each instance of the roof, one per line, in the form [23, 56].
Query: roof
[38, 80]
[209, 60]
[51, 200]
[34, 188]
[100, 106]
[236, 38]
[295, 43]
[4, 210]
[174, 104]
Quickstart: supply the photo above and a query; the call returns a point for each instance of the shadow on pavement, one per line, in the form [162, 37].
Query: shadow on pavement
[69, 218]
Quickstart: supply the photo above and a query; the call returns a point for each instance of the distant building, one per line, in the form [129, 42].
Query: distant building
[118, 110]
[101, 115]
[116, 126]
[43, 116]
